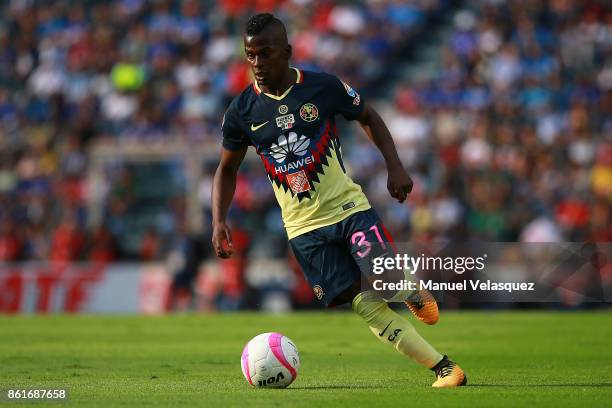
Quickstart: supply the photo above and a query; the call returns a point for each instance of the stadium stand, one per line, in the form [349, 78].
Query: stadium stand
[500, 110]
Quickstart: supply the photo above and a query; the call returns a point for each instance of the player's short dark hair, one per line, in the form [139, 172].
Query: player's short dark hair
[259, 22]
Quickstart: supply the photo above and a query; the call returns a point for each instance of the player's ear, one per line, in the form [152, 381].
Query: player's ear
[288, 51]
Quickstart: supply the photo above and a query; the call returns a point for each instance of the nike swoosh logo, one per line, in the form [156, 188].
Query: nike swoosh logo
[385, 329]
[255, 127]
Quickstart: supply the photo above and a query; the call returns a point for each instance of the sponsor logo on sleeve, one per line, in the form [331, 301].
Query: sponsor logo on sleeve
[352, 93]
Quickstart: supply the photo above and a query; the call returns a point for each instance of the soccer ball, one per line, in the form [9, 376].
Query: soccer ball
[270, 360]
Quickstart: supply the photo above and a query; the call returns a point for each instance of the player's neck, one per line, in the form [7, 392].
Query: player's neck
[288, 80]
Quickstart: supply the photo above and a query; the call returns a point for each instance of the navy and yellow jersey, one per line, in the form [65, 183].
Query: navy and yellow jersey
[296, 137]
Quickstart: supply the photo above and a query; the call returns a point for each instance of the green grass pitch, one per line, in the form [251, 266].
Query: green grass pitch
[511, 358]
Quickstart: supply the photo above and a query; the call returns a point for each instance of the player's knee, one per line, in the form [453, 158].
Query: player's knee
[369, 306]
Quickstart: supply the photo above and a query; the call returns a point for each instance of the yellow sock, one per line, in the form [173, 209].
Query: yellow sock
[393, 329]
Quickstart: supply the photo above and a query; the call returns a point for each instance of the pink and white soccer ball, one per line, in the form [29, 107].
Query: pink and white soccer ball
[270, 360]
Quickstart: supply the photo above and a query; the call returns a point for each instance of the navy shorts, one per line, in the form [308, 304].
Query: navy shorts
[334, 257]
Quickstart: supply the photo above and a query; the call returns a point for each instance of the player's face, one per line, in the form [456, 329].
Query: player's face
[268, 59]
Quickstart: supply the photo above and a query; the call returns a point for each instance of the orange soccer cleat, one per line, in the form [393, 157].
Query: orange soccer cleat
[423, 305]
[448, 374]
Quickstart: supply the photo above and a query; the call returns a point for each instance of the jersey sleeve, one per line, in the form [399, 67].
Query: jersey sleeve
[234, 139]
[347, 101]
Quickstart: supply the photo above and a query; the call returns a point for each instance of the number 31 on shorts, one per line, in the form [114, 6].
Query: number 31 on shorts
[360, 239]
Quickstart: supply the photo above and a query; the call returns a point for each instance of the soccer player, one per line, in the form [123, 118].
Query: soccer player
[288, 116]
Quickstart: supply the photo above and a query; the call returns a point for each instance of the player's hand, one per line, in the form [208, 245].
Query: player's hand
[221, 235]
[399, 183]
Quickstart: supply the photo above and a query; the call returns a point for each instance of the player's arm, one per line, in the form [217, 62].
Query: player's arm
[224, 186]
[399, 182]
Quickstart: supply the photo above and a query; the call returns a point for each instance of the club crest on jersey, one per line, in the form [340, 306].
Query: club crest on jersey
[309, 112]
[352, 93]
[298, 182]
[283, 109]
[285, 122]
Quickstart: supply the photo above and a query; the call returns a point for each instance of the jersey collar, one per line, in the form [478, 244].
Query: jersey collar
[298, 80]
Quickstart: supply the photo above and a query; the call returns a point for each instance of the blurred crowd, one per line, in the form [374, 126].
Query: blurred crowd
[76, 73]
[509, 138]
